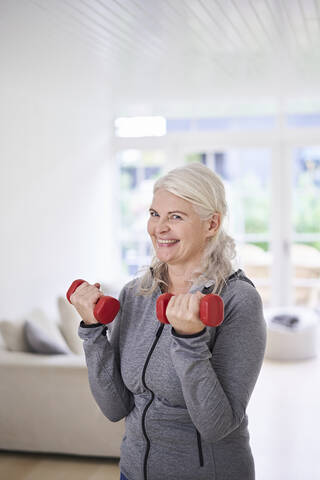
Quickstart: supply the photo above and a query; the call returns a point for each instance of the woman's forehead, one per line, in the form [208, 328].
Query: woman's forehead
[167, 200]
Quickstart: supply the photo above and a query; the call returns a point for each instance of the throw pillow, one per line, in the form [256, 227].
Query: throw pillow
[39, 318]
[40, 341]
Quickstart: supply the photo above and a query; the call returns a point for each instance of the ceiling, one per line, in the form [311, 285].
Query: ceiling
[162, 54]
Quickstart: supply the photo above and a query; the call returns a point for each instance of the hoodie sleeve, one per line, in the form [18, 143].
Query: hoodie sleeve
[217, 384]
[103, 362]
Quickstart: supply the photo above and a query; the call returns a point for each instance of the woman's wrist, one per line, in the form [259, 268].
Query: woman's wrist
[180, 334]
[89, 325]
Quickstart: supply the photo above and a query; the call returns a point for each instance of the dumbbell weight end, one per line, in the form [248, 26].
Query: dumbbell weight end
[211, 310]
[161, 307]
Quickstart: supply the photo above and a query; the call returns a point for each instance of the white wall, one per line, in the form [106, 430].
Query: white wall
[56, 183]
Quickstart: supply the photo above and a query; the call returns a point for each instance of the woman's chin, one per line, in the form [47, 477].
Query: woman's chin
[165, 257]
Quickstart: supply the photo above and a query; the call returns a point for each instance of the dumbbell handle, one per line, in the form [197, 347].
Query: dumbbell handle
[106, 308]
[211, 309]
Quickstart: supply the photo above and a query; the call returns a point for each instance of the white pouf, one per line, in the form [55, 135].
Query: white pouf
[296, 342]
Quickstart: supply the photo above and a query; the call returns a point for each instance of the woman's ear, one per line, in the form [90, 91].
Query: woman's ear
[214, 224]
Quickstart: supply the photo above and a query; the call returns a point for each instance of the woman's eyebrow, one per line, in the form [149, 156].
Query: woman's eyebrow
[178, 211]
[170, 213]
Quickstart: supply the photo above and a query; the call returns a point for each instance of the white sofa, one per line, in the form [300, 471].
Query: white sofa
[46, 404]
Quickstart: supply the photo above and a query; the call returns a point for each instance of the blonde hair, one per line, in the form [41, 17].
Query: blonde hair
[205, 191]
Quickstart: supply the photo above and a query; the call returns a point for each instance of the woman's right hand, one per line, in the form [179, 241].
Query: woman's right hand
[84, 300]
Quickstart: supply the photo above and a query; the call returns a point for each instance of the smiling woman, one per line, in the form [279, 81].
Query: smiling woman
[183, 387]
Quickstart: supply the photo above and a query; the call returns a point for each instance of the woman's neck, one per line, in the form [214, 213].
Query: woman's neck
[179, 281]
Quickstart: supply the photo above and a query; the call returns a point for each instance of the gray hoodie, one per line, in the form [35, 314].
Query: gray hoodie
[184, 398]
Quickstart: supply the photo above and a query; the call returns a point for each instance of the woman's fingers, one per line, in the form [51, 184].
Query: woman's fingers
[187, 304]
[84, 299]
[194, 302]
[86, 291]
[183, 312]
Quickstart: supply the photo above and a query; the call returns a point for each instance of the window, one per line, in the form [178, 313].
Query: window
[220, 123]
[305, 255]
[263, 169]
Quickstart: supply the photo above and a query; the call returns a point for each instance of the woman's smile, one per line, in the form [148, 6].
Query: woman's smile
[166, 242]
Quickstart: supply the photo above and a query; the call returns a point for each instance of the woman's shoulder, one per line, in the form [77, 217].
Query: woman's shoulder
[238, 279]
[243, 306]
[240, 289]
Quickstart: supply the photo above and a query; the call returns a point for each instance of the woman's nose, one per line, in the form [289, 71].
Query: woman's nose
[162, 225]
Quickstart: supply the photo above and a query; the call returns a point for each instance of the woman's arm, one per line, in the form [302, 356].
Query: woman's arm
[103, 362]
[217, 386]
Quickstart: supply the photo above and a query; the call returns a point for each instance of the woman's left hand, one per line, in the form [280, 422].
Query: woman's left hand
[183, 313]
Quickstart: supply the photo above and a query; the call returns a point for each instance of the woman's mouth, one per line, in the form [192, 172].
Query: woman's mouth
[166, 243]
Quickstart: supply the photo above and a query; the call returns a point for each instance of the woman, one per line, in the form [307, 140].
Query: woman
[183, 388]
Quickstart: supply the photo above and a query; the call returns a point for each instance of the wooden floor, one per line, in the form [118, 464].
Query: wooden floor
[28, 466]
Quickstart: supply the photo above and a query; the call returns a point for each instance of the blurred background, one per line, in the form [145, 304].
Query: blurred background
[101, 97]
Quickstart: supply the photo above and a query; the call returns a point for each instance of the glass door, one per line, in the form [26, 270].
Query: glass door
[305, 252]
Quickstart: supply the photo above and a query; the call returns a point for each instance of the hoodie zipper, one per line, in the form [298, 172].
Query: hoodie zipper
[143, 420]
[200, 449]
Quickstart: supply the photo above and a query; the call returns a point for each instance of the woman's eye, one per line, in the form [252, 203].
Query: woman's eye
[153, 214]
[176, 217]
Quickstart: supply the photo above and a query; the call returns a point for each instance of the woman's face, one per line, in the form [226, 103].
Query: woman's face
[177, 232]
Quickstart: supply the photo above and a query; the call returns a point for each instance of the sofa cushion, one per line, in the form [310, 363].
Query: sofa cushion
[40, 341]
[69, 323]
[2, 344]
[13, 335]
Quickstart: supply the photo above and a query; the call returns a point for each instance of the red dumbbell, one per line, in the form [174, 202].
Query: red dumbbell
[106, 307]
[211, 309]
